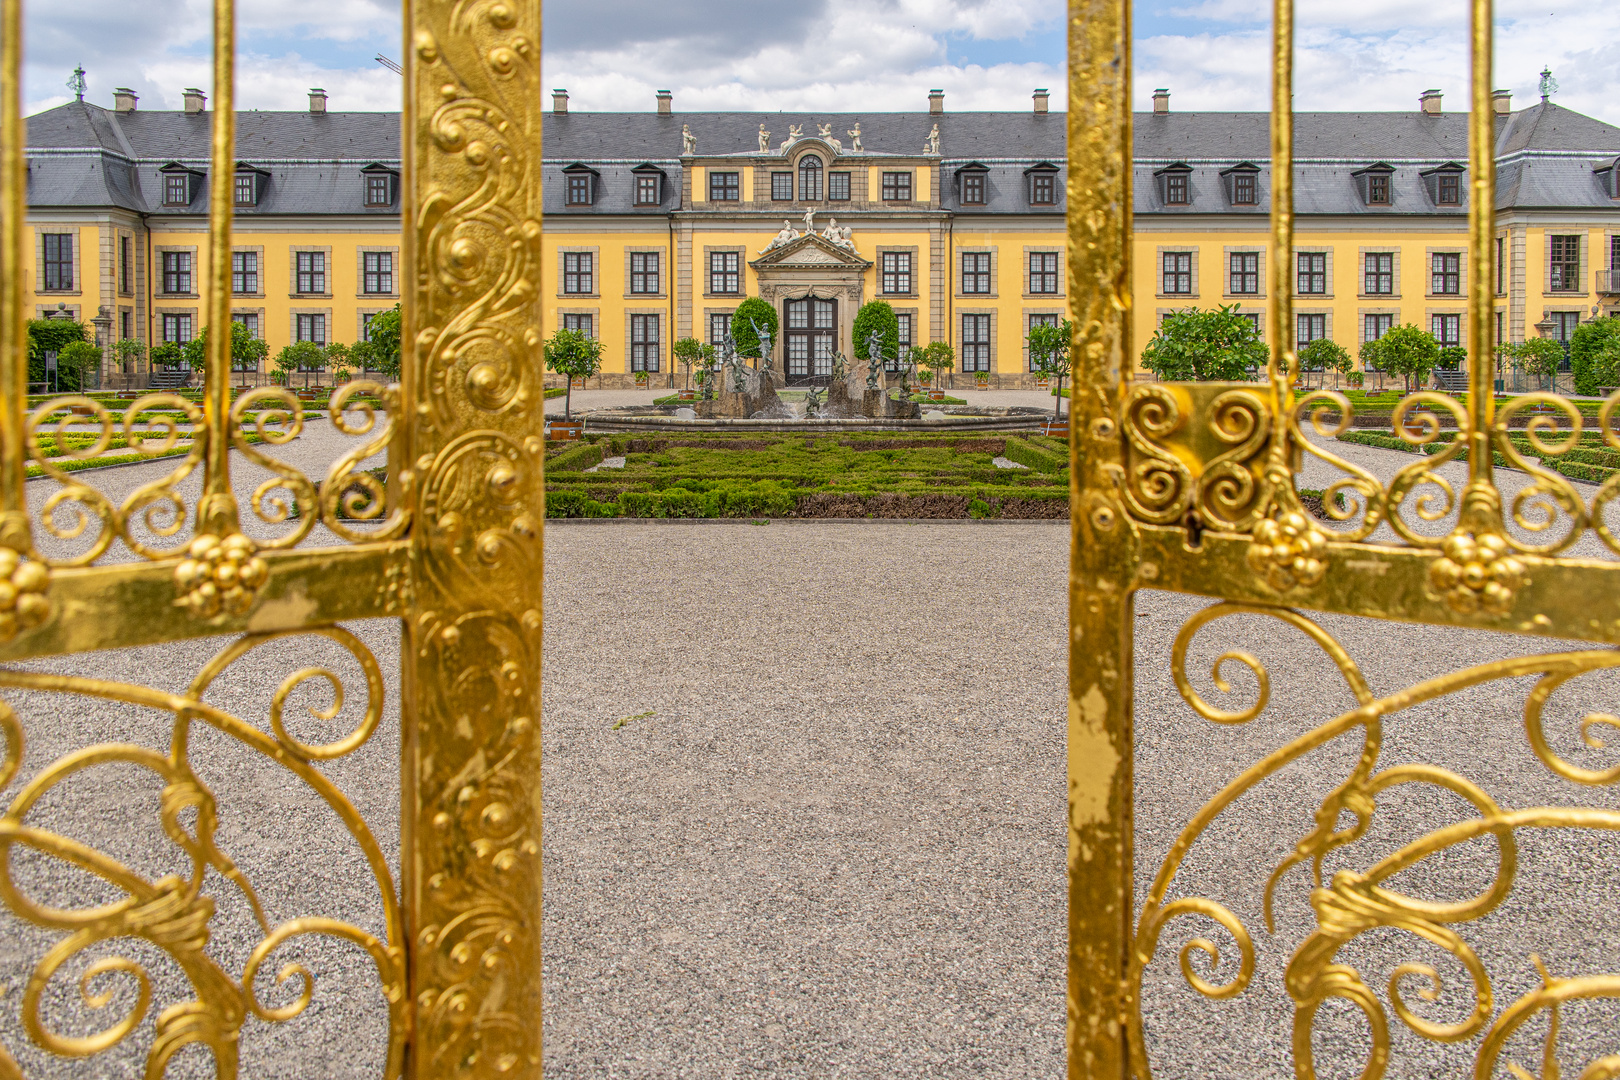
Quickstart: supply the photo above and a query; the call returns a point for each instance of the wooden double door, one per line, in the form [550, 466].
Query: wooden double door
[811, 339]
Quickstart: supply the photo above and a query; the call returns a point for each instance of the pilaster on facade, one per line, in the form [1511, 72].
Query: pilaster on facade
[1517, 281]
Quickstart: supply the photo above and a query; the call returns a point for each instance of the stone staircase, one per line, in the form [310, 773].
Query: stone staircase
[172, 378]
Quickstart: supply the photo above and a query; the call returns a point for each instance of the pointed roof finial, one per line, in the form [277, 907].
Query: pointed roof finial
[76, 82]
[1549, 85]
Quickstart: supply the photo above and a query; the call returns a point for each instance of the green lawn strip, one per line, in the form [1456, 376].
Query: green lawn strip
[1590, 462]
[556, 391]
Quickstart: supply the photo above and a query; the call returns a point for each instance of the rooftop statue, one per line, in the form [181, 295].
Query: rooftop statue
[795, 133]
[932, 145]
[688, 140]
[764, 140]
[809, 220]
[855, 134]
[782, 237]
[824, 131]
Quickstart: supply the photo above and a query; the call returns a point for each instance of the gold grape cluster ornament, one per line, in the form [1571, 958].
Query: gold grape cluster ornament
[22, 594]
[1287, 551]
[1477, 573]
[220, 575]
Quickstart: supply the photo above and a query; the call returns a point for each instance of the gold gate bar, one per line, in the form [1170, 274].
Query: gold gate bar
[216, 511]
[1101, 553]
[14, 530]
[1481, 253]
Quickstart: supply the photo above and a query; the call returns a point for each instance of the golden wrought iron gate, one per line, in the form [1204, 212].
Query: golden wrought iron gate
[451, 548]
[1191, 488]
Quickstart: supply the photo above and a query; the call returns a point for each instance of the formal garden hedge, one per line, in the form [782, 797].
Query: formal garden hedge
[1591, 459]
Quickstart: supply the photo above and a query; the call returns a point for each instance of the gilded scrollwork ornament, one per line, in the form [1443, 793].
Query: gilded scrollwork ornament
[24, 603]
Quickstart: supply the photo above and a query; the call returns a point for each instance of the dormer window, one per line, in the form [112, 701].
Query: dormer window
[245, 195]
[971, 179]
[1043, 186]
[809, 178]
[1175, 184]
[1242, 184]
[579, 186]
[1243, 189]
[1450, 190]
[176, 190]
[1374, 184]
[649, 185]
[1378, 190]
[381, 185]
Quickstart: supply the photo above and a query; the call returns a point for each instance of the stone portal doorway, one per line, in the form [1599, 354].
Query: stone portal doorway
[811, 340]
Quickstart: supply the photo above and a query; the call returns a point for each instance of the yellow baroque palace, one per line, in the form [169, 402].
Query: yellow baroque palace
[659, 224]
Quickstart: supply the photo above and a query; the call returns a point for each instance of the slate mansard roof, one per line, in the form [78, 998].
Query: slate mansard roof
[81, 155]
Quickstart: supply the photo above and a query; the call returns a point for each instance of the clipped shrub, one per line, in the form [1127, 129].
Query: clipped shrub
[575, 459]
[1033, 457]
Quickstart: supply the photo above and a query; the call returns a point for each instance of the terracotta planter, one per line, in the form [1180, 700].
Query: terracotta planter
[1057, 429]
[82, 410]
[1043, 383]
[936, 394]
[641, 382]
[981, 384]
[564, 430]
[688, 395]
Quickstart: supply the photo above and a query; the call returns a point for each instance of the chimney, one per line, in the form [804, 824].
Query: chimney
[317, 101]
[1502, 101]
[1429, 102]
[196, 102]
[936, 101]
[666, 103]
[1040, 101]
[124, 100]
[1161, 101]
[559, 102]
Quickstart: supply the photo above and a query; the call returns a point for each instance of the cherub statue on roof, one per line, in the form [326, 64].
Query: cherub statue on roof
[932, 146]
[824, 132]
[795, 133]
[688, 140]
[764, 140]
[855, 134]
[809, 220]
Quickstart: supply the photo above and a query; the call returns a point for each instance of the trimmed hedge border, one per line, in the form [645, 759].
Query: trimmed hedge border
[1034, 457]
[1590, 466]
[575, 459]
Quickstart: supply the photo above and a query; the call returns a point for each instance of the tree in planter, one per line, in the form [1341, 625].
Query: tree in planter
[1049, 352]
[305, 356]
[1404, 350]
[341, 362]
[935, 357]
[570, 353]
[247, 351]
[743, 335]
[1205, 346]
[167, 354]
[877, 316]
[129, 353]
[1539, 356]
[691, 353]
[77, 358]
[1590, 340]
[1325, 354]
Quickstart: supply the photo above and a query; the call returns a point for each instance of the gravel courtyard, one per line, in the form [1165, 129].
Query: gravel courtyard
[804, 794]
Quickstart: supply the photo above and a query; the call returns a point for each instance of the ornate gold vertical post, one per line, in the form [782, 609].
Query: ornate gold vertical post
[1102, 547]
[470, 470]
[1282, 367]
[14, 532]
[216, 512]
[1482, 507]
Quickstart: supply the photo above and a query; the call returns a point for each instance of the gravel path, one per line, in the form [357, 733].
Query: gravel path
[804, 795]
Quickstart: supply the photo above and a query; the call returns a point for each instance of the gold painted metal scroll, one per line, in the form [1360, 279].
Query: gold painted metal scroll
[447, 540]
[1193, 488]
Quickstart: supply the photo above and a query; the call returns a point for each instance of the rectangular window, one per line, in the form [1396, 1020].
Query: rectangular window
[1178, 273]
[311, 271]
[1042, 189]
[975, 343]
[1614, 255]
[1380, 274]
[1447, 329]
[1501, 327]
[725, 187]
[1447, 274]
[976, 272]
[782, 186]
[126, 323]
[1501, 266]
[719, 327]
[58, 261]
[1378, 190]
[124, 276]
[644, 272]
[1450, 189]
[1175, 189]
[897, 272]
[1244, 273]
[177, 272]
[1043, 272]
[647, 193]
[973, 189]
[1243, 189]
[1565, 264]
[1376, 326]
[1034, 321]
[244, 272]
[579, 272]
[644, 343]
[585, 324]
[579, 189]
[897, 187]
[725, 272]
[1312, 273]
[904, 340]
[1310, 328]
[378, 270]
[249, 319]
[838, 186]
[312, 328]
[244, 189]
[177, 190]
[378, 191]
[176, 328]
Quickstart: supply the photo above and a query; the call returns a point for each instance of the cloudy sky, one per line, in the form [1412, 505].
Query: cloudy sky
[843, 55]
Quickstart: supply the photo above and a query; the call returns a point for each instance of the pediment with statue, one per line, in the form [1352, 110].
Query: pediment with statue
[830, 248]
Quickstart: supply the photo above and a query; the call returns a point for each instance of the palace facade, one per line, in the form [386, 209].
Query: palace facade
[659, 224]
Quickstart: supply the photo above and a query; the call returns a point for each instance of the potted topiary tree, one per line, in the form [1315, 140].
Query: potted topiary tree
[1051, 345]
[304, 356]
[691, 353]
[573, 355]
[935, 357]
[73, 364]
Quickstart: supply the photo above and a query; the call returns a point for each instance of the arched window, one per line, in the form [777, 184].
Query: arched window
[809, 178]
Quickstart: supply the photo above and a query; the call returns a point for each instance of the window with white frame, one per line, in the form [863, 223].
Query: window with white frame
[1244, 277]
[644, 343]
[1309, 328]
[583, 322]
[244, 272]
[976, 272]
[975, 343]
[312, 328]
[725, 272]
[58, 261]
[1043, 272]
[311, 271]
[719, 327]
[1446, 273]
[1034, 321]
[177, 272]
[897, 272]
[176, 328]
[1447, 329]
[644, 272]
[1178, 273]
[579, 272]
[898, 361]
[1312, 273]
[379, 271]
